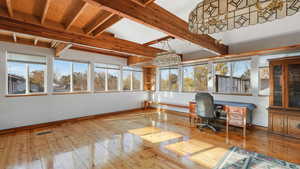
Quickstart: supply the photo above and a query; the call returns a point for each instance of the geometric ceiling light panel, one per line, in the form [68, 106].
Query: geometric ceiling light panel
[212, 16]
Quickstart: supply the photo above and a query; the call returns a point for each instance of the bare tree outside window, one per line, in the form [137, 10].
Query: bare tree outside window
[80, 75]
[126, 80]
[201, 77]
[62, 76]
[188, 79]
[137, 80]
[112, 79]
[169, 79]
[195, 78]
[99, 83]
[36, 78]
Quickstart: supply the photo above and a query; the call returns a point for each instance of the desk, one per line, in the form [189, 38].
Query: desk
[250, 107]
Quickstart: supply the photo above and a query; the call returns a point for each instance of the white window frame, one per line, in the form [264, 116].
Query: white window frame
[131, 70]
[71, 78]
[178, 79]
[106, 68]
[195, 65]
[27, 90]
[231, 76]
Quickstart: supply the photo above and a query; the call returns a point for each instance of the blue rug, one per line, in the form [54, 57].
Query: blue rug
[238, 158]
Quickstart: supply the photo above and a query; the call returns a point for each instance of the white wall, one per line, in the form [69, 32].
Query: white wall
[23, 111]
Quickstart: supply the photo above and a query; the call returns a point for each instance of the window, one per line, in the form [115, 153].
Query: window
[232, 77]
[113, 79]
[169, 79]
[137, 80]
[80, 76]
[195, 78]
[25, 74]
[126, 80]
[70, 76]
[106, 77]
[99, 82]
[132, 78]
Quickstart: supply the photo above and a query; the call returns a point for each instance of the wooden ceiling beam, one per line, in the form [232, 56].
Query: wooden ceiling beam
[9, 8]
[158, 40]
[99, 20]
[35, 41]
[99, 51]
[143, 3]
[277, 50]
[14, 37]
[75, 14]
[54, 44]
[134, 60]
[103, 42]
[108, 23]
[61, 47]
[7, 38]
[158, 18]
[45, 11]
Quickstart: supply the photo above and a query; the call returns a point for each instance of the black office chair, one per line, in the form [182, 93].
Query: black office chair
[206, 110]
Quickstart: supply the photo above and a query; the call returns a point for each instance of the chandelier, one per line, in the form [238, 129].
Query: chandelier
[212, 16]
[167, 58]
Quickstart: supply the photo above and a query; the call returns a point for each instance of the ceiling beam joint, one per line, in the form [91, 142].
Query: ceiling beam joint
[62, 47]
[45, 11]
[74, 16]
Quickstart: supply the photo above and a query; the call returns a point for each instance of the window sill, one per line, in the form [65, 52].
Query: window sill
[26, 95]
[236, 94]
[193, 91]
[109, 91]
[70, 93]
[260, 95]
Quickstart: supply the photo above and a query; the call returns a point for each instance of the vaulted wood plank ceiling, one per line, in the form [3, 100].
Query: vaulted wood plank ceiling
[85, 22]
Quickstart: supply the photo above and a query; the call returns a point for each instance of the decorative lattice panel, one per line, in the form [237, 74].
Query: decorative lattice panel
[212, 16]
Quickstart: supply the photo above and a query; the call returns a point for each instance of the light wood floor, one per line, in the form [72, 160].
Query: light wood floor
[106, 143]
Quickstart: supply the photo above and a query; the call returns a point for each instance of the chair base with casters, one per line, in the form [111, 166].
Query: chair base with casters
[207, 124]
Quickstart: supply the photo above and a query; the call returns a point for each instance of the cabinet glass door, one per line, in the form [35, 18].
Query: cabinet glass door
[277, 85]
[294, 85]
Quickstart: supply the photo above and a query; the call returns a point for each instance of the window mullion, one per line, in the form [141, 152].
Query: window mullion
[131, 80]
[71, 78]
[106, 79]
[231, 78]
[194, 80]
[27, 78]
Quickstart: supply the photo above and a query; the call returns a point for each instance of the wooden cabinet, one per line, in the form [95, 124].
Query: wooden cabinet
[284, 110]
[293, 126]
[149, 79]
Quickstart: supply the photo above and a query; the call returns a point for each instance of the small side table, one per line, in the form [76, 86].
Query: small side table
[147, 104]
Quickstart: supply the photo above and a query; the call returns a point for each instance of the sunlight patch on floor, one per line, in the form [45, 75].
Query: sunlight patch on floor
[188, 147]
[161, 136]
[144, 131]
[210, 157]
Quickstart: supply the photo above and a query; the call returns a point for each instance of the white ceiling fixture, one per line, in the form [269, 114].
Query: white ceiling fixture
[167, 58]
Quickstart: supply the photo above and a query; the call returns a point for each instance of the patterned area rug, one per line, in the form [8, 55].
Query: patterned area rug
[238, 158]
